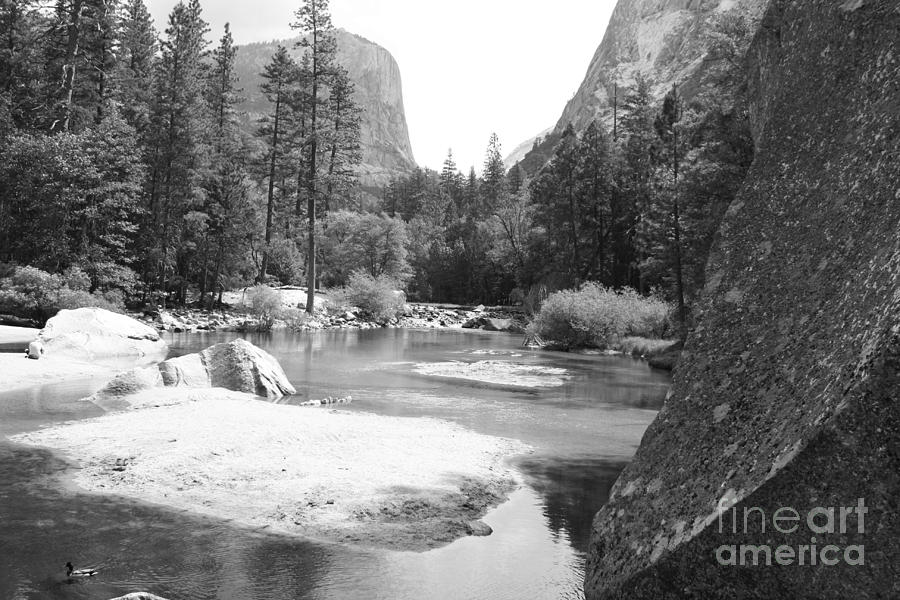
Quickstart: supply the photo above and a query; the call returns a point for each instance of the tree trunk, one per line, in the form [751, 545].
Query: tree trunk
[73, 38]
[270, 209]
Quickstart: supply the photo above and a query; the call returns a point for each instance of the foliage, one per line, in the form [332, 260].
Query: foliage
[377, 297]
[371, 243]
[265, 304]
[31, 293]
[597, 317]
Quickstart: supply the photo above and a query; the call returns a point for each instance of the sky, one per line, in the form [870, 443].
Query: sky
[469, 67]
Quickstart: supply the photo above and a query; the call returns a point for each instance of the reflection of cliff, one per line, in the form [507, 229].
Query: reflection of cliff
[379, 91]
[571, 489]
[787, 392]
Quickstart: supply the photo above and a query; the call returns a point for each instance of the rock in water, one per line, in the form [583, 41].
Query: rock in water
[786, 395]
[242, 367]
[139, 596]
[92, 333]
[238, 366]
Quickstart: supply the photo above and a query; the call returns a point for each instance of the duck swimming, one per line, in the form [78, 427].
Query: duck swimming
[73, 572]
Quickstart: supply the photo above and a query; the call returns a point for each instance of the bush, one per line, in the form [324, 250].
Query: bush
[34, 294]
[596, 317]
[376, 297]
[265, 304]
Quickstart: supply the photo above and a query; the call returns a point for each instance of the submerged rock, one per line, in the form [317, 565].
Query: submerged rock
[238, 366]
[772, 470]
[139, 596]
[91, 333]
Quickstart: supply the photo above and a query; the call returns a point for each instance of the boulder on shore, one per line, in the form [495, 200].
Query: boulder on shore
[773, 470]
[238, 366]
[92, 333]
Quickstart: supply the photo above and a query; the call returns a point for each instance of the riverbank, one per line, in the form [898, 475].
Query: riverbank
[18, 372]
[389, 482]
[414, 316]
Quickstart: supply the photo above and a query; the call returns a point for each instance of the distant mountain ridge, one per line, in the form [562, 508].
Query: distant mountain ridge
[384, 135]
[661, 39]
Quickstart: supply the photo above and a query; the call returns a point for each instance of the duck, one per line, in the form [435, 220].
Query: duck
[73, 572]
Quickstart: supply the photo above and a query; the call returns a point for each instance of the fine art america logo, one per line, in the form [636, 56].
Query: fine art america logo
[819, 521]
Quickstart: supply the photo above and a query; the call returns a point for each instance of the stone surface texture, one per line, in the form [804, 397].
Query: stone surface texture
[94, 333]
[661, 39]
[787, 393]
[238, 366]
[384, 135]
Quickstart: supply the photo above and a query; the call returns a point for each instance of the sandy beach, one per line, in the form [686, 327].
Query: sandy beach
[18, 372]
[372, 480]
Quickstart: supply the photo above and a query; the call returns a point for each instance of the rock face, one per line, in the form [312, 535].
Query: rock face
[662, 39]
[786, 395]
[238, 366]
[94, 333]
[384, 135]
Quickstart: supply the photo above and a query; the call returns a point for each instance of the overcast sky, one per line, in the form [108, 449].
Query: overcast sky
[470, 67]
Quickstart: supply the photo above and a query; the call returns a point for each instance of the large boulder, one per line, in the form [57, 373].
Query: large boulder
[780, 441]
[242, 367]
[139, 596]
[95, 333]
[238, 366]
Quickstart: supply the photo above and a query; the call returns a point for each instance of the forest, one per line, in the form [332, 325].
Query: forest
[128, 172]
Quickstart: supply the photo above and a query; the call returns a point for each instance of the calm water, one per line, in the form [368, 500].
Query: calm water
[583, 433]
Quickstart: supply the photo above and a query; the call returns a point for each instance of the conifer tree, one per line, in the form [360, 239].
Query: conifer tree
[280, 79]
[226, 184]
[313, 22]
[134, 77]
[342, 140]
[21, 28]
[180, 158]
[493, 189]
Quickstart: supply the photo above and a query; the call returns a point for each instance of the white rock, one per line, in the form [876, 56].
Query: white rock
[91, 333]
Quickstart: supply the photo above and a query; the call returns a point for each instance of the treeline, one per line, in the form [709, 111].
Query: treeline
[121, 154]
[632, 203]
[122, 161]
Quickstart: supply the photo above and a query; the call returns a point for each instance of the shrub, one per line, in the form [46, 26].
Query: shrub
[596, 317]
[376, 297]
[265, 304]
[72, 299]
[34, 294]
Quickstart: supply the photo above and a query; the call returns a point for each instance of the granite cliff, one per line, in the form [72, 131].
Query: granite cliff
[786, 396]
[384, 134]
[664, 40]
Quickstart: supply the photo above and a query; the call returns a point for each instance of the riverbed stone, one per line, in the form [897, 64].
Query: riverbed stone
[802, 345]
[238, 366]
[95, 333]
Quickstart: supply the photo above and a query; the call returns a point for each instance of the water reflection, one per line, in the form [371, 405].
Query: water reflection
[583, 434]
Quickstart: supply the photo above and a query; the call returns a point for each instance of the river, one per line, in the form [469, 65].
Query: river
[582, 432]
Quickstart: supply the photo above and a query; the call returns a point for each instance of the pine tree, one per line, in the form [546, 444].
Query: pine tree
[596, 183]
[180, 157]
[226, 185]
[21, 25]
[280, 79]
[342, 141]
[134, 77]
[313, 21]
[493, 189]
[641, 150]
